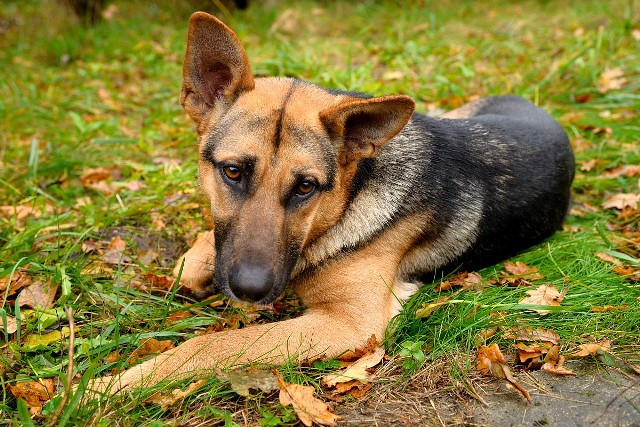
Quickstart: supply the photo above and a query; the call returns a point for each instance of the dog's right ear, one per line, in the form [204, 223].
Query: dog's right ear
[216, 68]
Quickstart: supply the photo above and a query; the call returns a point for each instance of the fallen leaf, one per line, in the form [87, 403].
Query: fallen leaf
[491, 362]
[521, 333]
[624, 170]
[462, 279]
[608, 258]
[621, 201]
[245, 379]
[308, 408]
[167, 400]
[587, 166]
[531, 351]
[599, 309]
[146, 257]
[12, 325]
[38, 295]
[543, 295]
[358, 371]
[522, 270]
[369, 347]
[148, 347]
[553, 362]
[592, 349]
[18, 281]
[118, 244]
[178, 316]
[611, 79]
[34, 341]
[35, 393]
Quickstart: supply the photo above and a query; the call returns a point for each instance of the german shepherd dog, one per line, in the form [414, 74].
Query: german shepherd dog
[349, 199]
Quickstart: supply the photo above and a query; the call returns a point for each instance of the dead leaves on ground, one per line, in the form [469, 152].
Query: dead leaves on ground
[356, 379]
[544, 295]
[536, 349]
[307, 407]
[491, 362]
[166, 400]
[108, 181]
[34, 393]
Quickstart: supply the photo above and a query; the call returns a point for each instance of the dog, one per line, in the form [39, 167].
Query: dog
[347, 198]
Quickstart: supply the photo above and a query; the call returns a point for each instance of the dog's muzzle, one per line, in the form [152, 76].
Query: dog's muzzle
[250, 282]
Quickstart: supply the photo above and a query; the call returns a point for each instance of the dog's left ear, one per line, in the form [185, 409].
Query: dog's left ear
[216, 68]
[365, 125]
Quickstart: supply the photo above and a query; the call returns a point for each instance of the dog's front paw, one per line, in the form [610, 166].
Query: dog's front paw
[195, 268]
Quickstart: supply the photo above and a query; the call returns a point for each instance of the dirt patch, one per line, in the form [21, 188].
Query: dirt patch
[597, 396]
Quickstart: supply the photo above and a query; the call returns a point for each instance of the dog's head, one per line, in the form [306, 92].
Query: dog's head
[277, 157]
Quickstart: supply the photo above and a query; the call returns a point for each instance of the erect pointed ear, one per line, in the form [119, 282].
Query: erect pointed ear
[365, 125]
[216, 68]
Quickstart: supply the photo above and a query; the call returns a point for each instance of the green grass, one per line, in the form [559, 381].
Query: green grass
[73, 98]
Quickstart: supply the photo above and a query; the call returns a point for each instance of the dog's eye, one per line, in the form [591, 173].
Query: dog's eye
[305, 188]
[232, 172]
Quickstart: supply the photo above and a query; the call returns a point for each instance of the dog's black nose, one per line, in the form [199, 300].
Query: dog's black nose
[250, 282]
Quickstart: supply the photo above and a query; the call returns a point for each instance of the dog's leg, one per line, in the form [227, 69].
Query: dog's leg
[348, 300]
[196, 266]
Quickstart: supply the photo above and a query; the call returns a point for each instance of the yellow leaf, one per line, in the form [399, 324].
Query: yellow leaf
[357, 371]
[308, 408]
[34, 340]
[543, 295]
[167, 400]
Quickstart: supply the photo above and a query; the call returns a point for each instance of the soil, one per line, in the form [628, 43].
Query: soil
[596, 396]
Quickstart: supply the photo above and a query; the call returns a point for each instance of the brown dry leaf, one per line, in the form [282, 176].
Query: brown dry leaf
[426, 309]
[118, 244]
[369, 347]
[462, 279]
[18, 281]
[608, 258]
[243, 380]
[114, 253]
[587, 166]
[35, 393]
[591, 349]
[178, 316]
[358, 371]
[491, 362]
[521, 333]
[167, 400]
[12, 325]
[599, 309]
[25, 211]
[544, 295]
[522, 270]
[611, 79]
[554, 362]
[38, 294]
[148, 347]
[308, 408]
[624, 170]
[621, 201]
[531, 351]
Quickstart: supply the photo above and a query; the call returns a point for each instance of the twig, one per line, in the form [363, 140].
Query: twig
[68, 388]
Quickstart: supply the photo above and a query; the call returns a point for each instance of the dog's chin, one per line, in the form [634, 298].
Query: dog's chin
[273, 295]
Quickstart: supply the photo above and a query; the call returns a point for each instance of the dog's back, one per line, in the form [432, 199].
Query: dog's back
[494, 178]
